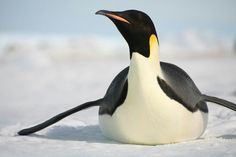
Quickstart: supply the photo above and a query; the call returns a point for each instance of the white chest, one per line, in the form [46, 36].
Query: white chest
[148, 115]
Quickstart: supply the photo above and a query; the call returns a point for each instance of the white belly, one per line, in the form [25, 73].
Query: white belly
[148, 116]
[155, 120]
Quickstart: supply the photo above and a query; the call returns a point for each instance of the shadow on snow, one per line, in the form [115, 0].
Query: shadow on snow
[90, 134]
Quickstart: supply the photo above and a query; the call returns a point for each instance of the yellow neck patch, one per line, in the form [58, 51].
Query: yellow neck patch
[153, 43]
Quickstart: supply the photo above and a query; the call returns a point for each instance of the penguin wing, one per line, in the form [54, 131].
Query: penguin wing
[116, 93]
[180, 87]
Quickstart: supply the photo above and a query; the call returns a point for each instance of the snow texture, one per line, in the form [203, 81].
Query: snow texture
[32, 90]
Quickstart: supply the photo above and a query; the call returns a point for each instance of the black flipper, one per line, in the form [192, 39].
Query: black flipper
[60, 116]
[180, 87]
[219, 101]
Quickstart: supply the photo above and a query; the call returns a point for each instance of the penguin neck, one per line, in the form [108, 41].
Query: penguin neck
[141, 66]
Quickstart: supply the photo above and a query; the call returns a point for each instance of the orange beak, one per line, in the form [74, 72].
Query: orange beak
[112, 15]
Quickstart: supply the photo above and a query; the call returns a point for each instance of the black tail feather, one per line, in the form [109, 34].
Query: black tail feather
[219, 101]
[58, 117]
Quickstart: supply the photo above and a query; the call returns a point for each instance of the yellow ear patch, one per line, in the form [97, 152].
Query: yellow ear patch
[153, 43]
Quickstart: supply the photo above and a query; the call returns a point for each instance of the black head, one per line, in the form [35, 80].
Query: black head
[135, 26]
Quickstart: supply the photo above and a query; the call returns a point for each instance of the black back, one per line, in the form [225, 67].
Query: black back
[180, 87]
[177, 85]
[116, 93]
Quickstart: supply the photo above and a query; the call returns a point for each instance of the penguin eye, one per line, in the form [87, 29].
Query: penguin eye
[118, 18]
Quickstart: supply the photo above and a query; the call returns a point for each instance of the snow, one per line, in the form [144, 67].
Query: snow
[34, 87]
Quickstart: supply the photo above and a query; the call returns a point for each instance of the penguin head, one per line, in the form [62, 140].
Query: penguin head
[135, 26]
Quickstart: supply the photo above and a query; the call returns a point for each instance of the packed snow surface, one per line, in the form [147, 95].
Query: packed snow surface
[33, 89]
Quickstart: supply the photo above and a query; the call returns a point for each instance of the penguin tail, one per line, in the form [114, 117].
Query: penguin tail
[219, 101]
[60, 116]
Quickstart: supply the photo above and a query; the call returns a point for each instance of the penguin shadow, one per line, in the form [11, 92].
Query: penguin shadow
[227, 136]
[90, 134]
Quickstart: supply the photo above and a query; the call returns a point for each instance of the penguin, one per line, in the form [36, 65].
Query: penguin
[149, 102]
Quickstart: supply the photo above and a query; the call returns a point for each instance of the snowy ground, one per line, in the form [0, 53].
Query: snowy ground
[31, 94]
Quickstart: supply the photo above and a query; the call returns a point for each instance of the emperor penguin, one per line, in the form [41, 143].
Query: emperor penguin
[149, 102]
